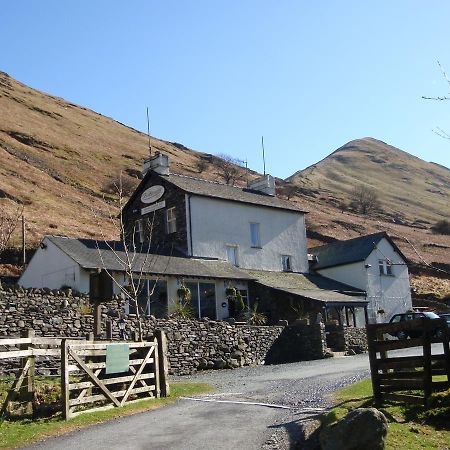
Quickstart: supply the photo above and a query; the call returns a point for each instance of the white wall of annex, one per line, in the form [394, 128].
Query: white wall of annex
[52, 268]
[391, 294]
[354, 274]
[217, 223]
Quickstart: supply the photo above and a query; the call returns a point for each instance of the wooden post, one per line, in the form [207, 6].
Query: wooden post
[427, 374]
[24, 251]
[109, 331]
[97, 320]
[160, 335]
[65, 379]
[371, 337]
[27, 391]
[157, 372]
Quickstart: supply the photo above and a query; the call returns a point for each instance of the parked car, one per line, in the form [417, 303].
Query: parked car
[446, 316]
[404, 334]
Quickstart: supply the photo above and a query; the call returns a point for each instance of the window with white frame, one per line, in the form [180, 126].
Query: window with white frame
[232, 254]
[171, 220]
[139, 231]
[255, 239]
[385, 267]
[286, 263]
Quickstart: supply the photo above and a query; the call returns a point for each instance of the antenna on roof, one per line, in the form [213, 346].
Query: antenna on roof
[263, 155]
[246, 171]
[148, 134]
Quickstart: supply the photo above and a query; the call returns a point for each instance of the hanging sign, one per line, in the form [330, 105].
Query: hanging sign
[153, 207]
[152, 194]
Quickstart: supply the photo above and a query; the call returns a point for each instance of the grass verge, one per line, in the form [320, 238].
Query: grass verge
[16, 433]
[411, 427]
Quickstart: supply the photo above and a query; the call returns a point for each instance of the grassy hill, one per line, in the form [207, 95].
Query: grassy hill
[57, 159]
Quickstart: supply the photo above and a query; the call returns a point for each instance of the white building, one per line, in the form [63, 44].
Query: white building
[372, 263]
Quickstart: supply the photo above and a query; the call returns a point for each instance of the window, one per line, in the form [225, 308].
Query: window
[254, 235]
[139, 231]
[152, 298]
[286, 263]
[203, 299]
[385, 267]
[232, 254]
[171, 220]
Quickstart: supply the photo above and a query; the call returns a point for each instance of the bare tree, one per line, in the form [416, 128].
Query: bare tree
[439, 131]
[288, 190]
[132, 255]
[9, 221]
[229, 168]
[126, 185]
[364, 199]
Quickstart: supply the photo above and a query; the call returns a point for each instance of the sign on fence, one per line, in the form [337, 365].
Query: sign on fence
[117, 358]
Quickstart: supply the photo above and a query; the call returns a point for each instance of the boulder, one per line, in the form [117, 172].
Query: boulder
[346, 434]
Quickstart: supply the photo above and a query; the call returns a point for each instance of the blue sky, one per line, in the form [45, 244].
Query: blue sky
[216, 75]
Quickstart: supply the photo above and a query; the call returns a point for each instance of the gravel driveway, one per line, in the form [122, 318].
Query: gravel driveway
[228, 420]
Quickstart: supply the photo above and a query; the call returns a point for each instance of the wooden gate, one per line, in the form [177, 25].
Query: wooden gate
[392, 373]
[101, 375]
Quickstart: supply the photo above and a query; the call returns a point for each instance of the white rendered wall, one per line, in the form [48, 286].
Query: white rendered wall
[216, 224]
[52, 268]
[391, 294]
[354, 274]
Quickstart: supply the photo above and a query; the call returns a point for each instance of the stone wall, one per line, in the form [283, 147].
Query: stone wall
[355, 340]
[193, 344]
[350, 340]
[298, 342]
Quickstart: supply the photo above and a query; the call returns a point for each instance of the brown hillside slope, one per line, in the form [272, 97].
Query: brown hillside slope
[55, 158]
[414, 195]
[409, 188]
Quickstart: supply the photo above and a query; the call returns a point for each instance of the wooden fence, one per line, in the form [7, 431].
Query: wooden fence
[392, 374]
[94, 374]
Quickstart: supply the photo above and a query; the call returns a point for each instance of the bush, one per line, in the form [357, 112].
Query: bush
[441, 227]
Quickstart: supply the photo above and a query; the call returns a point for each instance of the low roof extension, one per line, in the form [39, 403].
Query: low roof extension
[91, 254]
[311, 286]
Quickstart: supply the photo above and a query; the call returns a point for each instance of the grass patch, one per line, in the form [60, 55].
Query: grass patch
[15, 433]
[411, 427]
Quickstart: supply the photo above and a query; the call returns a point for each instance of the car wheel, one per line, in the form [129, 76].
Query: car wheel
[402, 335]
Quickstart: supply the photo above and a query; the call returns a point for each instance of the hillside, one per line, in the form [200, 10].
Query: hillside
[414, 195]
[57, 158]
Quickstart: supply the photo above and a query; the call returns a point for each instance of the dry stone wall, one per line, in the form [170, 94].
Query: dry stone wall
[193, 344]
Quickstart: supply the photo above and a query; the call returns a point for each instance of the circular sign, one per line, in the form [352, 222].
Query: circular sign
[152, 194]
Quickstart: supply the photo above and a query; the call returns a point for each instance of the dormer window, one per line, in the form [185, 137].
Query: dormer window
[385, 267]
[171, 220]
[286, 263]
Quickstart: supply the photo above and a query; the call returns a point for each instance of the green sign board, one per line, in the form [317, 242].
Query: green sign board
[117, 358]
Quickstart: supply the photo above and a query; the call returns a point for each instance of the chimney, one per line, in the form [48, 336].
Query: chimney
[158, 163]
[264, 184]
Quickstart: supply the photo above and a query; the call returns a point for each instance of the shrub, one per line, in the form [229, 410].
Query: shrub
[441, 227]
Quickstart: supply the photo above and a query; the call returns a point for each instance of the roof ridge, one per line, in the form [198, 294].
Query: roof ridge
[345, 241]
[205, 181]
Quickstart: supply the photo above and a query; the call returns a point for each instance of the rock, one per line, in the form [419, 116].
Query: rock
[219, 363]
[362, 428]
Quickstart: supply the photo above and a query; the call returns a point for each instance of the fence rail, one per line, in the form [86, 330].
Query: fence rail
[406, 374]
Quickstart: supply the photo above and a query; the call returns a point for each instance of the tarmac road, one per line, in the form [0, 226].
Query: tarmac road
[301, 388]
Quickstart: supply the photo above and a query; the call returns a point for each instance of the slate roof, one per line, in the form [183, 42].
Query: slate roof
[86, 254]
[345, 252]
[312, 286]
[222, 191]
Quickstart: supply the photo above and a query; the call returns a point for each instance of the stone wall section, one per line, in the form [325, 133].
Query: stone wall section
[193, 344]
[355, 340]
